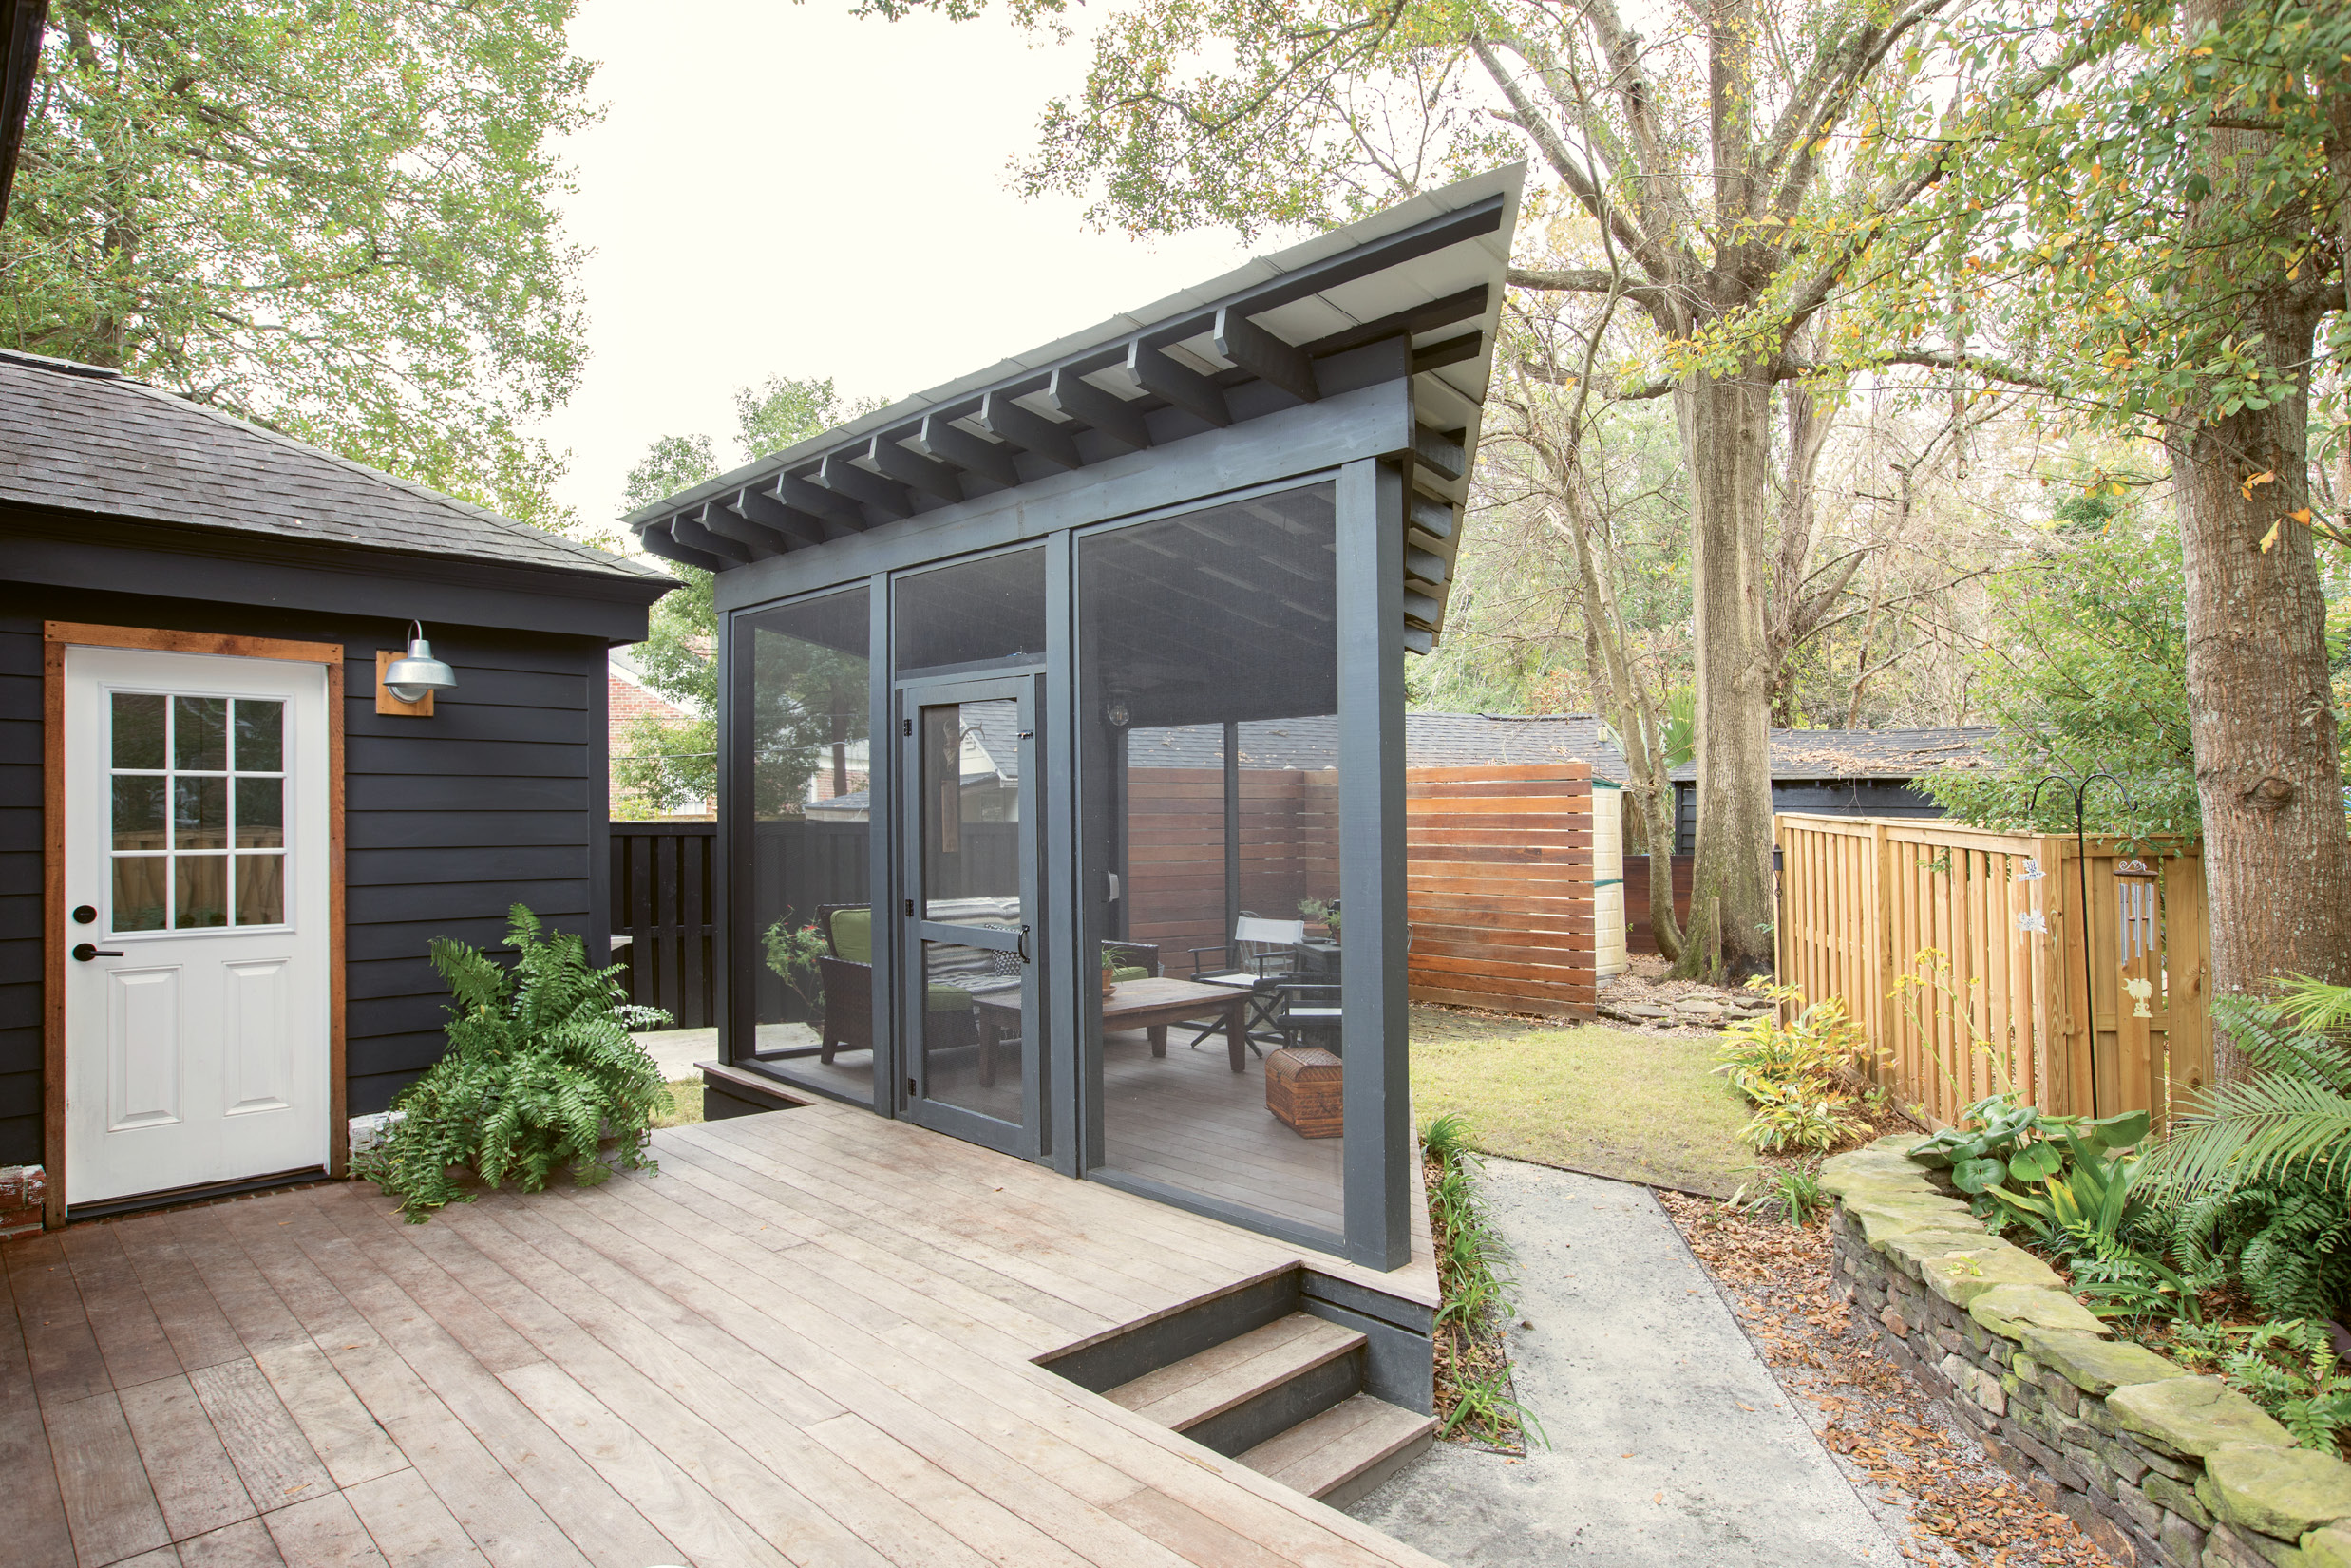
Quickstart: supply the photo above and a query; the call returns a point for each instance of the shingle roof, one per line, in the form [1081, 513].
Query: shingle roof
[1869, 753]
[86, 439]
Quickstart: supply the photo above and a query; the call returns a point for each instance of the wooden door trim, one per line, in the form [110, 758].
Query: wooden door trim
[56, 637]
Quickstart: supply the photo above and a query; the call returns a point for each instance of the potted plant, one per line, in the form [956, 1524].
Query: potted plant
[1312, 910]
[1107, 967]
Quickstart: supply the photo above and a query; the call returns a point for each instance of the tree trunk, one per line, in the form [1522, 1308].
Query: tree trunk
[2277, 863]
[1726, 427]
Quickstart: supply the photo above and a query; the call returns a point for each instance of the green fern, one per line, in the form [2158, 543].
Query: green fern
[2295, 1115]
[540, 1069]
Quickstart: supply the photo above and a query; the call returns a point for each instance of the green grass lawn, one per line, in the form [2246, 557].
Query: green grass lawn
[685, 1104]
[1643, 1107]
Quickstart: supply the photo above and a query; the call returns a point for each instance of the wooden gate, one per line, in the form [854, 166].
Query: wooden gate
[664, 900]
[1862, 899]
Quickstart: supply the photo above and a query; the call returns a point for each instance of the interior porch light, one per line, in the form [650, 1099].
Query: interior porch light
[417, 674]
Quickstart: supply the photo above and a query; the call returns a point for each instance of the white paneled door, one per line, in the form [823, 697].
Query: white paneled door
[195, 910]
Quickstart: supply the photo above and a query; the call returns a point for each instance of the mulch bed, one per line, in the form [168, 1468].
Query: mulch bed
[1934, 1486]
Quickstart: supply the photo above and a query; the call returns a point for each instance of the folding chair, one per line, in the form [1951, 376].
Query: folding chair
[1260, 952]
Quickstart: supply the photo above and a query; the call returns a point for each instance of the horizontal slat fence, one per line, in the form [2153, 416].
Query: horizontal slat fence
[1862, 899]
[1497, 873]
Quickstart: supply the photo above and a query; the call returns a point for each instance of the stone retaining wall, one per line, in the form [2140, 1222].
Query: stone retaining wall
[2156, 1465]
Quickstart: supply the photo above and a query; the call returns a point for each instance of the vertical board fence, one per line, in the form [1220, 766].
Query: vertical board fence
[1862, 898]
[1498, 871]
[665, 904]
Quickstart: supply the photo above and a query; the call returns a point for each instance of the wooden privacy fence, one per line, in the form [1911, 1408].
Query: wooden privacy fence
[1861, 897]
[1498, 875]
[664, 901]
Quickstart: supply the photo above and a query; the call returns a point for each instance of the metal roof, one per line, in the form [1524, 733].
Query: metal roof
[80, 438]
[1269, 335]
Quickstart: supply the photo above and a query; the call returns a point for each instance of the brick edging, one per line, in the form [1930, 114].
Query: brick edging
[2156, 1465]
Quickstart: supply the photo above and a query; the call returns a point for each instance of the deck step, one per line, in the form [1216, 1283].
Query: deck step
[1345, 1451]
[1199, 1387]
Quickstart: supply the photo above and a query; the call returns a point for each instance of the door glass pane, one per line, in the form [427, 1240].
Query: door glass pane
[971, 812]
[201, 887]
[139, 812]
[199, 813]
[1209, 753]
[989, 610]
[260, 735]
[141, 891]
[200, 733]
[138, 730]
[260, 813]
[805, 721]
[260, 889]
[973, 1030]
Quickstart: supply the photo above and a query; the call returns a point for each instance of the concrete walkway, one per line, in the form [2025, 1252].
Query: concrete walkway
[1671, 1440]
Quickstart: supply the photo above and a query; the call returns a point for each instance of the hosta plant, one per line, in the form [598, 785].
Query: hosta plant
[540, 1072]
[1803, 1077]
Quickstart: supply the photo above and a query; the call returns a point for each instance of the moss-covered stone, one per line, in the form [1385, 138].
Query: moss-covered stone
[2192, 1416]
[2329, 1547]
[1960, 1277]
[2095, 1364]
[1915, 1249]
[2010, 1309]
[2179, 1498]
[2280, 1492]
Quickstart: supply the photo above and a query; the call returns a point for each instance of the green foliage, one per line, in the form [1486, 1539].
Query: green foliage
[2294, 1115]
[338, 220]
[2290, 1369]
[793, 951]
[1473, 1261]
[2285, 1236]
[1797, 1188]
[540, 1069]
[1314, 911]
[1804, 1078]
[673, 764]
[2086, 670]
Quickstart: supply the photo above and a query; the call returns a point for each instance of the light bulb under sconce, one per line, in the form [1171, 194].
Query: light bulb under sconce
[406, 682]
[1117, 715]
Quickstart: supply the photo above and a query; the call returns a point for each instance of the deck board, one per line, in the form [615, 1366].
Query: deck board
[808, 1339]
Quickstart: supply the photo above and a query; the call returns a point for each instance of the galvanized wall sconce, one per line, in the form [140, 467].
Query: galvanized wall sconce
[404, 683]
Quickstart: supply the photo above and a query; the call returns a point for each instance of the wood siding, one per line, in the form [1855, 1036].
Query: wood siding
[1498, 863]
[496, 800]
[1863, 900]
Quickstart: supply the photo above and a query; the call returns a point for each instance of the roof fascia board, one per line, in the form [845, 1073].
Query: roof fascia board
[1326, 262]
[1368, 422]
[192, 563]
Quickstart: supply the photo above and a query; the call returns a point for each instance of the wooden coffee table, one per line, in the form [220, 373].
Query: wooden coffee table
[1150, 1005]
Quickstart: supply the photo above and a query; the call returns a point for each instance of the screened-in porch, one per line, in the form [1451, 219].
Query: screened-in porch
[1061, 800]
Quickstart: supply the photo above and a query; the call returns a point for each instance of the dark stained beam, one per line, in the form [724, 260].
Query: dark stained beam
[1432, 517]
[1439, 453]
[655, 540]
[1153, 370]
[805, 496]
[1452, 351]
[951, 442]
[1415, 319]
[1424, 566]
[927, 474]
[1418, 641]
[887, 497]
[1265, 356]
[1028, 430]
[1427, 610]
[761, 506]
[712, 517]
[690, 534]
[1106, 411]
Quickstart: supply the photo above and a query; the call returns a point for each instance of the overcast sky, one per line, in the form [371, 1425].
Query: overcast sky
[779, 188]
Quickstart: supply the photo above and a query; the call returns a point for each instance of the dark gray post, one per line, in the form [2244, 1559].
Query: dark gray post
[1232, 833]
[1380, 1160]
[737, 1031]
[881, 822]
[1066, 966]
[601, 815]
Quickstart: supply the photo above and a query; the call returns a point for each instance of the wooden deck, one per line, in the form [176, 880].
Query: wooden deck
[807, 1340]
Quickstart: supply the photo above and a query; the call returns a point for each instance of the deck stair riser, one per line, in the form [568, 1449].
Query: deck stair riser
[1345, 1451]
[1233, 1396]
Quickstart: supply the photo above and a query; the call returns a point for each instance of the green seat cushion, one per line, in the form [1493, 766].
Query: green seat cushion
[946, 999]
[1129, 972]
[853, 935]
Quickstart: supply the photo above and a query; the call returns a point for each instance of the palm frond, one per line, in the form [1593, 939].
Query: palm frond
[2244, 1132]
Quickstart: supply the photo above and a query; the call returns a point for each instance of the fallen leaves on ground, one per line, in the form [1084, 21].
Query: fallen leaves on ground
[1959, 1505]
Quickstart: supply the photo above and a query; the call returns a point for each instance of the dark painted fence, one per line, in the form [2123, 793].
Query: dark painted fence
[665, 904]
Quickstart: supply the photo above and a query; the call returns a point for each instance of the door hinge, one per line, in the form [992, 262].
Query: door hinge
[912, 1093]
[906, 726]
[910, 907]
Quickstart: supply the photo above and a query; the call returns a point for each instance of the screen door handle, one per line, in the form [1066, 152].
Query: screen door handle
[1023, 949]
[84, 952]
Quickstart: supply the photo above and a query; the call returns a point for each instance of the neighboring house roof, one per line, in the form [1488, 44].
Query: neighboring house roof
[1869, 753]
[80, 439]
